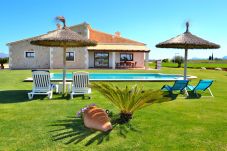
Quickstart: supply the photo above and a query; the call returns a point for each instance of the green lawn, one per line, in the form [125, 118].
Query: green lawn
[197, 64]
[181, 124]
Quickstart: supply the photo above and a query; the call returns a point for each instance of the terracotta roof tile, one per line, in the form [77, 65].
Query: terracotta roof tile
[102, 37]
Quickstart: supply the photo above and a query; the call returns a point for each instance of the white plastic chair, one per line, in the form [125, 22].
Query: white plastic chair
[41, 84]
[80, 84]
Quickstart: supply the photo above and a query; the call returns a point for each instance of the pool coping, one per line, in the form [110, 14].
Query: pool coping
[29, 79]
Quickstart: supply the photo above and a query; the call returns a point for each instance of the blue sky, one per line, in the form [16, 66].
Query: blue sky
[148, 21]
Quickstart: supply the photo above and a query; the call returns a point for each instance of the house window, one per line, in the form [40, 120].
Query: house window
[29, 54]
[126, 57]
[101, 59]
[70, 56]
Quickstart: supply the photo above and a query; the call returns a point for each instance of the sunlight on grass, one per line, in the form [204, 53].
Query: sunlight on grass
[181, 124]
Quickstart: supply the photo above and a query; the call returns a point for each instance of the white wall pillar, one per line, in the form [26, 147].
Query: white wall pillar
[86, 58]
[113, 60]
[146, 60]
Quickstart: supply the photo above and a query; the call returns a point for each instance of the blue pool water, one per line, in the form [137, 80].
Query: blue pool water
[122, 77]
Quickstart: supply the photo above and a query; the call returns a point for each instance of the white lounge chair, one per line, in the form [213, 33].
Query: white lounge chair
[80, 84]
[41, 84]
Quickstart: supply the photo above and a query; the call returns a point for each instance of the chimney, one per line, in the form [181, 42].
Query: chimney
[117, 34]
[59, 26]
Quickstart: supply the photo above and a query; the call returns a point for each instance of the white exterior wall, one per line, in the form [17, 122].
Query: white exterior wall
[139, 58]
[91, 59]
[46, 57]
[81, 29]
[117, 56]
[18, 60]
[80, 61]
[52, 58]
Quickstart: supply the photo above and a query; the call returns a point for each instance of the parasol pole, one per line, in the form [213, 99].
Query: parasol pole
[186, 55]
[64, 69]
[185, 63]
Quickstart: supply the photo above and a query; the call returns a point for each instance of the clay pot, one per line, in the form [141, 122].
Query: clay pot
[97, 118]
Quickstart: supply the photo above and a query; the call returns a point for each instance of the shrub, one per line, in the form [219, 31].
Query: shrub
[3, 61]
[179, 60]
[165, 60]
[128, 100]
[217, 59]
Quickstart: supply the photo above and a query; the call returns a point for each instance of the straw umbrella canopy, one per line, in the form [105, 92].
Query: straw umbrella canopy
[65, 38]
[187, 41]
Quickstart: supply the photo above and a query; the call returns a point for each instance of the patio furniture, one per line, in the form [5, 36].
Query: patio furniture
[179, 85]
[203, 85]
[68, 86]
[41, 84]
[134, 64]
[128, 64]
[122, 64]
[117, 64]
[65, 38]
[80, 84]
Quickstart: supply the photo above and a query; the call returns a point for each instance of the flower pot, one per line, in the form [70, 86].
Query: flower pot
[97, 118]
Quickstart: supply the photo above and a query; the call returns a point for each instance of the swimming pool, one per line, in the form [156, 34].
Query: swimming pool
[123, 77]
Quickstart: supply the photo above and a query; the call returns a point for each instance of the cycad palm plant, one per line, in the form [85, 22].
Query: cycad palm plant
[129, 100]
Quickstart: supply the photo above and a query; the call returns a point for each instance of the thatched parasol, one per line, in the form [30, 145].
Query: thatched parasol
[65, 38]
[187, 41]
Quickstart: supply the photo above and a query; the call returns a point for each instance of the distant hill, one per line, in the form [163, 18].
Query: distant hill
[195, 58]
[3, 55]
[225, 57]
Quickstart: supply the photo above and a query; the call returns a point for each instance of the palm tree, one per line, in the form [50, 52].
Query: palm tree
[128, 100]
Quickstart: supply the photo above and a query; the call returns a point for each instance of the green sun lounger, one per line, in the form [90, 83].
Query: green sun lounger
[203, 85]
[179, 85]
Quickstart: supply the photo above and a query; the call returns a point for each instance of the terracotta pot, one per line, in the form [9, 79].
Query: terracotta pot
[97, 118]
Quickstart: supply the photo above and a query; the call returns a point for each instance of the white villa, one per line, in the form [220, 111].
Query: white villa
[112, 51]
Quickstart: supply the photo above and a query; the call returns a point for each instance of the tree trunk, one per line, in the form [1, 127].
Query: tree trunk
[179, 65]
